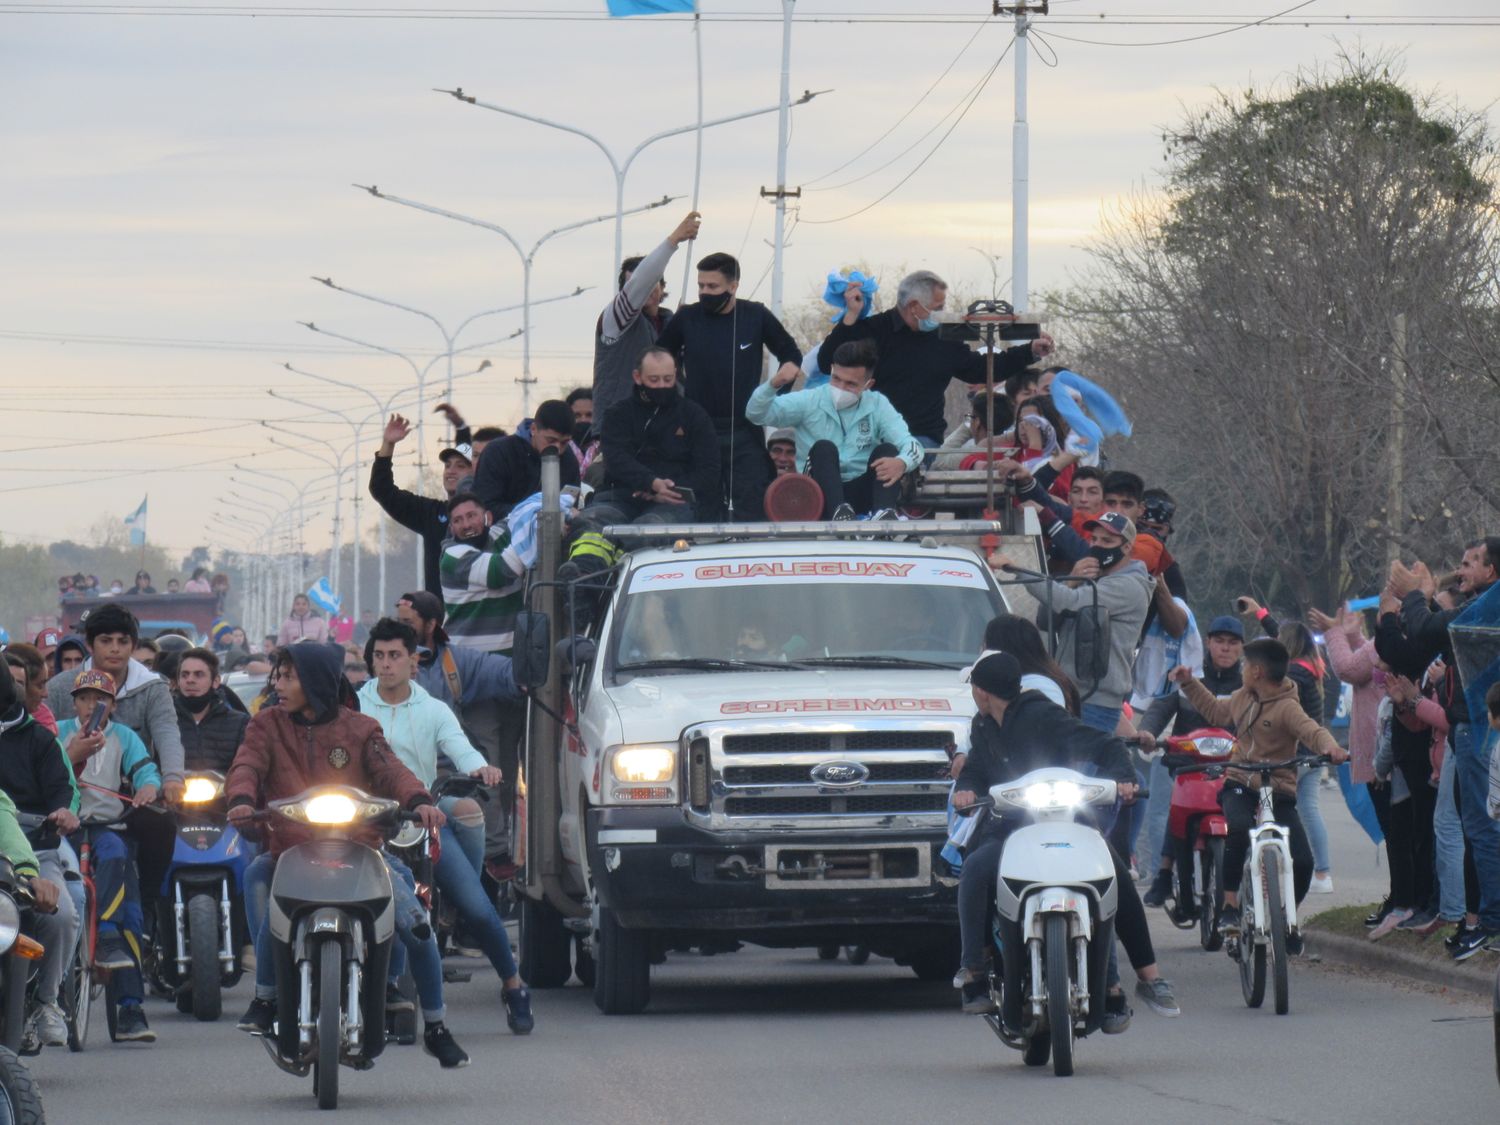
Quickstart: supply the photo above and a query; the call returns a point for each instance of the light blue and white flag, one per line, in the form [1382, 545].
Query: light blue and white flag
[521, 525]
[136, 524]
[650, 7]
[321, 595]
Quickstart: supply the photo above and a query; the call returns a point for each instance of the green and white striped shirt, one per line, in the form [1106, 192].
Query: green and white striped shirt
[482, 592]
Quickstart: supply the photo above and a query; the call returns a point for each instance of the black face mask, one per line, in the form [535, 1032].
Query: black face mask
[715, 302]
[197, 704]
[581, 433]
[658, 396]
[1107, 556]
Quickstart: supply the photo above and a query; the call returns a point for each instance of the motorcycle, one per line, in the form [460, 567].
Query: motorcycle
[1055, 902]
[204, 884]
[332, 919]
[20, 1100]
[1197, 828]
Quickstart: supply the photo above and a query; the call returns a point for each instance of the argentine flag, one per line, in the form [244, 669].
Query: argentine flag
[321, 595]
[136, 524]
[650, 7]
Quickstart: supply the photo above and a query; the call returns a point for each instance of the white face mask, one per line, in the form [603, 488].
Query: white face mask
[842, 399]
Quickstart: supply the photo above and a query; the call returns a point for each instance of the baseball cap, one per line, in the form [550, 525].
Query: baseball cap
[1113, 521]
[94, 680]
[48, 637]
[429, 607]
[1224, 623]
[462, 449]
[782, 435]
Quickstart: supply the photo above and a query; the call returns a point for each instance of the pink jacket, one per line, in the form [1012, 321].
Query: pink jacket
[309, 628]
[1358, 667]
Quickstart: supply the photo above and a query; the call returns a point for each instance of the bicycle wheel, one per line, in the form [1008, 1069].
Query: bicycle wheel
[1276, 935]
[77, 996]
[1252, 948]
[1212, 858]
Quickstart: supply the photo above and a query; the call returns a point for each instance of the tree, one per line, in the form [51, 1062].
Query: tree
[1248, 316]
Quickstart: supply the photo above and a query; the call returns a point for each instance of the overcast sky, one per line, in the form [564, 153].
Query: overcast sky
[169, 183]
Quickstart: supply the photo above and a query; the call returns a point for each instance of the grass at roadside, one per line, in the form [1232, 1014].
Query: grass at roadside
[1346, 920]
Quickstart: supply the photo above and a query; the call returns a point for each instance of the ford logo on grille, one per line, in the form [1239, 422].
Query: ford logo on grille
[840, 774]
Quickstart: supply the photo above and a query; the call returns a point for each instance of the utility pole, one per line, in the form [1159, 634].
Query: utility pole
[783, 125]
[1020, 144]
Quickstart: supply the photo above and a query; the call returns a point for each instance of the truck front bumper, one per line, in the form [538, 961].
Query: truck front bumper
[655, 872]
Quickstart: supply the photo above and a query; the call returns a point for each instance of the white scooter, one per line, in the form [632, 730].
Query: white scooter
[1055, 899]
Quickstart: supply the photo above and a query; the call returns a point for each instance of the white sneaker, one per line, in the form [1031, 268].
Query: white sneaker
[1321, 885]
[51, 1028]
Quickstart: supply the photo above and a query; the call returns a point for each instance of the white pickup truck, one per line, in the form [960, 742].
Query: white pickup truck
[754, 746]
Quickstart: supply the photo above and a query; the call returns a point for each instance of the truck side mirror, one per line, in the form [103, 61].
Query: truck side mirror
[574, 653]
[532, 651]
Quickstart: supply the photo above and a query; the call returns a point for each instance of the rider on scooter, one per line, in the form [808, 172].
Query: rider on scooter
[308, 739]
[419, 729]
[1014, 733]
[1269, 723]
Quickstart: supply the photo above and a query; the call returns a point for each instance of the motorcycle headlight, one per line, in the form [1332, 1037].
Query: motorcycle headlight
[1053, 795]
[10, 922]
[334, 807]
[200, 790]
[1213, 747]
[330, 808]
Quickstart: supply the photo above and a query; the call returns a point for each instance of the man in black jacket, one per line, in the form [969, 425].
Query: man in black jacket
[510, 469]
[915, 365]
[1014, 733]
[720, 343]
[211, 730]
[656, 443]
[1426, 628]
[424, 515]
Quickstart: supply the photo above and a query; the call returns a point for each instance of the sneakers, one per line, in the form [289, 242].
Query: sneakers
[51, 1028]
[1294, 943]
[884, 514]
[1161, 888]
[843, 513]
[1420, 921]
[1321, 885]
[112, 952]
[1117, 1014]
[518, 1010]
[977, 1000]
[1452, 941]
[258, 1017]
[438, 1042]
[1229, 919]
[131, 1026]
[1376, 916]
[1158, 996]
[1389, 923]
[1472, 942]
[396, 1001]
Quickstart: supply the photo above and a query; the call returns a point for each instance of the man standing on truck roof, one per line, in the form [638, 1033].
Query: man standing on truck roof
[719, 343]
[915, 365]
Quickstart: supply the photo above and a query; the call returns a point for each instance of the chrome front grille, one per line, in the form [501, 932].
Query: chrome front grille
[759, 774]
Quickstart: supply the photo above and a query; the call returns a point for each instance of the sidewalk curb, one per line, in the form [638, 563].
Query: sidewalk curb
[1475, 977]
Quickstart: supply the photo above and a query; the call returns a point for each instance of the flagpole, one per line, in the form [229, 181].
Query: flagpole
[687, 260]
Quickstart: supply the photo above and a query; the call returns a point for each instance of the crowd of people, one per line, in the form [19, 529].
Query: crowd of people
[673, 428]
[80, 585]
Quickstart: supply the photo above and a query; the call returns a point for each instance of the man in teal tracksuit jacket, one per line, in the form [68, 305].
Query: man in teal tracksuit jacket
[850, 439]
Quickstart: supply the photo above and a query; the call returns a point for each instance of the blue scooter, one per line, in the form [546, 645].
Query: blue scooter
[205, 883]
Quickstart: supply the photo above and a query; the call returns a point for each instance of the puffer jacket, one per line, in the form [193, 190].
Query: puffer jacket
[210, 743]
[284, 754]
[1266, 730]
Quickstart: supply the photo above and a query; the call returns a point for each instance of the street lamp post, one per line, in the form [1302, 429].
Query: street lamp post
[335, 462]
[528, 258]
[621, 168]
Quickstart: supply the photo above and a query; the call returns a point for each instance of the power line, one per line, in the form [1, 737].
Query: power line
[1189, 38]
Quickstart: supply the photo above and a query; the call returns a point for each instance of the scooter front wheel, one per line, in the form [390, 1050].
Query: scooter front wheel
[203, 950]
[330, 971]
[1276, 912]
[1057, 953]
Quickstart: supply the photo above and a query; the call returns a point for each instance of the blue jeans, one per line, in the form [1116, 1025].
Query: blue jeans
[470, 837]
[1472, 771]
[1448, 845]
[458, 878]
[1100, 718]
[1312, 817]
[426, 963]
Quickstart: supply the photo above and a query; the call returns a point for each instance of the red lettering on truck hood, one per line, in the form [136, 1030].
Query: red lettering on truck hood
[896, 705]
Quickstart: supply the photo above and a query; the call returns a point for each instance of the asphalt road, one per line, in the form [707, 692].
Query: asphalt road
[767, 1036]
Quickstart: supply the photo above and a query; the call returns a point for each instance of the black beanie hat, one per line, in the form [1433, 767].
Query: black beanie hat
[999, 674]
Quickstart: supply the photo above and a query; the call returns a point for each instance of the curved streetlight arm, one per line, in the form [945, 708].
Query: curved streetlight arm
[382, 406]
[497, 229]
[364, 344]
[580, 290]
[807, 96]
[334, 464]
[343, 415]
[662, 202]
[458, 93]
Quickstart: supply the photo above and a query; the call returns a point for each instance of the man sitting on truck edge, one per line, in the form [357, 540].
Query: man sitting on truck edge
[853, 442]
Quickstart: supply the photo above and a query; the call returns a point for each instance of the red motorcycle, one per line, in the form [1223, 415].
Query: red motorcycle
[1197, 829]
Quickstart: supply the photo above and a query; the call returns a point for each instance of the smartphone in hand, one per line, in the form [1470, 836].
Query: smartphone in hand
[96, 720]
[687, 494]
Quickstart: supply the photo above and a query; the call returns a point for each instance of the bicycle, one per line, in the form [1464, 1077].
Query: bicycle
[85, 981]
[1268, 901]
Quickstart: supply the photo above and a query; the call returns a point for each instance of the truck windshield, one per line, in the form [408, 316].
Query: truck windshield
[748, 614]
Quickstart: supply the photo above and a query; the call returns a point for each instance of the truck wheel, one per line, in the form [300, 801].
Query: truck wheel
[828, 953]
[622, 972]
[546, 945]
[936, 962]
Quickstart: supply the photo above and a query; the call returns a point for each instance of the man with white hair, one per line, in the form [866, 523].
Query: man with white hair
[915, 365]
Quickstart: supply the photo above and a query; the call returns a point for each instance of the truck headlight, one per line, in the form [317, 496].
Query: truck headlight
[644, 773]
